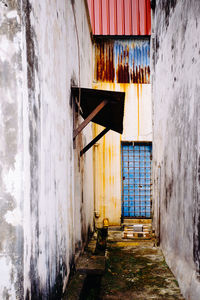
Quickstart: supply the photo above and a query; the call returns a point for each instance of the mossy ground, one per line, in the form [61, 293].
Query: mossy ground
[134, 270]
[137, 272]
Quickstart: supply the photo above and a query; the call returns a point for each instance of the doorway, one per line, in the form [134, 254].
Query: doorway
[136, 180]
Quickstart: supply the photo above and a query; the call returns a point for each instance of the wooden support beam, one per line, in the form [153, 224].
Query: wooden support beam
[89, 118]
[98, 137]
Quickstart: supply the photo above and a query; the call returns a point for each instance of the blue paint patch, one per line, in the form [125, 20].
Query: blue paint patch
[136, 180]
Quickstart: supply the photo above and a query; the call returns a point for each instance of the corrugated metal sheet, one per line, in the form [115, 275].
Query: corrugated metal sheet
[122, 61]
[120, 17]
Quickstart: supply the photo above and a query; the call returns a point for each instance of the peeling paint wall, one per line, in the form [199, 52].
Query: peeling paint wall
[107, 152]
[11, 158]
[176, 107]
[46, 207]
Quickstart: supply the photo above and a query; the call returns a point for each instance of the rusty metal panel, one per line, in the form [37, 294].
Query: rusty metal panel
[122, 61]
[120, 17]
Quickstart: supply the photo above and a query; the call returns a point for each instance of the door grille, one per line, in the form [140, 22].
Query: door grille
[136, 180]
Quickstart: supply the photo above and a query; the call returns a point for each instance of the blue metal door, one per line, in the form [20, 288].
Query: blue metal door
[136, 180]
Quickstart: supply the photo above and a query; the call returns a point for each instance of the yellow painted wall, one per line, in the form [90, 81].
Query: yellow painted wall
[107, 152]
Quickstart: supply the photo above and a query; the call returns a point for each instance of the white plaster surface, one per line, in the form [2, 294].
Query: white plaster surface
[11, 208]
[12, 14]
[176, 139]
[46, 188]
[7, 290]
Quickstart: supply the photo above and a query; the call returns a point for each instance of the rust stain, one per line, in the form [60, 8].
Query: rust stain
[113, 200]
[122, 61]
[140, 90]
[123, 67]
[147, 74]
[105, 70]
[103, 174]
[140, 75]
[110, 163]
[138, 99]
[123, 74]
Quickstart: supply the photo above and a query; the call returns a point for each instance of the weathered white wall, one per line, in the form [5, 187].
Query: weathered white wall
[46, 206]
[176, 107]
[11, 153]
[107, 152]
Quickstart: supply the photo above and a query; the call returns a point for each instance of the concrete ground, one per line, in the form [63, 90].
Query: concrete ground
[136, 270]
[131, 269]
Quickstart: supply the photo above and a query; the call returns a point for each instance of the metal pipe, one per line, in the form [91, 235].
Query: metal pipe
[96, 202]
[158, 204]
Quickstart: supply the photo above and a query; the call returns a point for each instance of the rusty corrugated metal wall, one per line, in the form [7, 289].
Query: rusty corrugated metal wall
[120, 17]
[122, 61]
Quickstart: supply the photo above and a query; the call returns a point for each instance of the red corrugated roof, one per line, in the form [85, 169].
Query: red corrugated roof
[120, 17]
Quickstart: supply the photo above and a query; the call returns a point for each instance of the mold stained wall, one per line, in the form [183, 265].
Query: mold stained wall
[176, 107]
[107, 152]
[46, 207]
[11, 158]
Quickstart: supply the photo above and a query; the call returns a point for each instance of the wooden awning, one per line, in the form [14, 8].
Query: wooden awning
[105, 108]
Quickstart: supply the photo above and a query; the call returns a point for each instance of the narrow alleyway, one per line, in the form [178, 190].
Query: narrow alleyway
[134, 269]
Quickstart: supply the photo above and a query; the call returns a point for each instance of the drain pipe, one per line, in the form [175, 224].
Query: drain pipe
[96, 202]
[158, 204]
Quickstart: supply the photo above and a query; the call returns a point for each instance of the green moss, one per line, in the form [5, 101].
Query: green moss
[133, 271]
[75, 286]
[176, 282]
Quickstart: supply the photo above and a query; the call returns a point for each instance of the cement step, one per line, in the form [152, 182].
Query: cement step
[137, 231]
[136, 221]
[136, 235]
